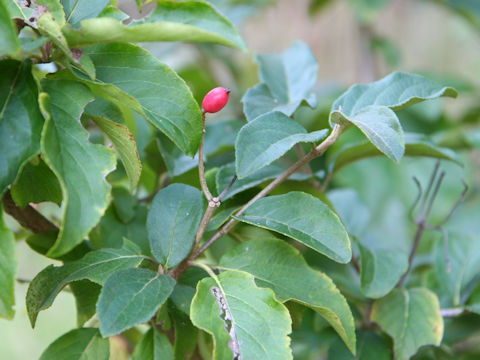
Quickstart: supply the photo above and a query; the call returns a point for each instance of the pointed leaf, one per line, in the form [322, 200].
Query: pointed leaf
[80, 166]
[9, 43]
[381, 269]
[192, 21]
[266, 139]
[8, 270]
[96, 266]
[78, 344]
[76, 11]
[287, 81]
[415, 145]
[165, 99]
[130, 297]
[172, 222]
[21, 121]
[243, 319]
[279, 266]
[411, 317]
[303, 218]
[125, 145]
[153, 346]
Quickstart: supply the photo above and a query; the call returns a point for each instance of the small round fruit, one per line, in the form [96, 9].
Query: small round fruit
[215, 100]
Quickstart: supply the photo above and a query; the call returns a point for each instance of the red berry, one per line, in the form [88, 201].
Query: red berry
[215, 100]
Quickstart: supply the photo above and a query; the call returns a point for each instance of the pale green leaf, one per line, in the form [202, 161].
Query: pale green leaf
[304, 218]
[165, 99]
[464, 259]
[415, 145]
[380, 270]
[78, 344]
[190, 21]
[96, 266]
[78, 10]
[172, 222]
[382, 127]
[411, 317]
[17, 9]
[21, 121]
[80, 166]
[55, 8]
[9, 43]
[287, 81]
[8, 270]
[243, 319]
[130, 297]
[36, 183]
[125, 145]
[279, 266]
[266, 139]
[153, 346]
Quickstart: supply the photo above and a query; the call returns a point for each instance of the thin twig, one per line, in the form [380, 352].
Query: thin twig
[454, 312]
[229, 186]
[201, 167]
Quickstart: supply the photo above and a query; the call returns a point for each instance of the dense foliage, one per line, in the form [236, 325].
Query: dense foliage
[290, 228]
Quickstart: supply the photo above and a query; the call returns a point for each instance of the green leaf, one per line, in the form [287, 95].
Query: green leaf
[80, 166]
[76, 11]
[165, 99]
[287, 81]
[380, 270]
[464, 257]
[9, 43]
[382, 127]
[96, 266]
[304, 218]
[279, 266]
[124, 204]
[55, 8]
[395, 91]
[8, 269]
[172, 222]
[272, 171]
[221, 136]
[186, 336]
[125, 145]
[36, 183]
[415, 145]
[243, 319]
[266, 139]
[176, 161]
[21, 121]
[411, 317]
[86, 295]
[153, 346]
[43, 241]
[370, 346]
[130, 297]
[191, 21]
[17, 9]
[367, 10]
[78, 344]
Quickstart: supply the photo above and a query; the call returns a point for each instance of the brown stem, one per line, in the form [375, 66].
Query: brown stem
[28, 217]
[201, 167]
[416, 242]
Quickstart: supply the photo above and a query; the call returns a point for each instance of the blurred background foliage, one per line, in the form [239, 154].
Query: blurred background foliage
[354, 41]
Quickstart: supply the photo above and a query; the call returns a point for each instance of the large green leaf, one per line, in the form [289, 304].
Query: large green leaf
[130, 297]
[78, 344]
[18, 10]
[172, 222]
[192, 21]
[287, 81]
[21, 121]
[96, 266]
[464, 258]
[264, 140]
[9, 43]
[76, 10]
[380, 270]
[415, 145]
[411, 317]
[54, 7]
[8, 270]
[126, 147]
[279, 266]
[243, 319]
[304, 218]
[165, 99]
[153, 346]
[86, 294]
[80, 166]
[36, 183]
[227, 172]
